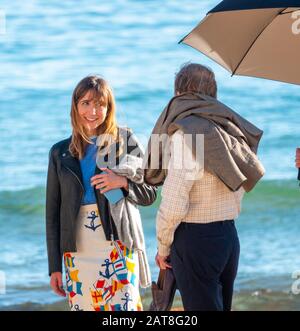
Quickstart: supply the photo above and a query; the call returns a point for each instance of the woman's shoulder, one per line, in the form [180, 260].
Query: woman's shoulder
[60, 146]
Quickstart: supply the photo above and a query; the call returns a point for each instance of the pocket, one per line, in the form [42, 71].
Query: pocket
[178, 245]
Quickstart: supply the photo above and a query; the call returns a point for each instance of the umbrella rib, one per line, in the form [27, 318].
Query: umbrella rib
[248, 50]
[181, 40]
[289, 12]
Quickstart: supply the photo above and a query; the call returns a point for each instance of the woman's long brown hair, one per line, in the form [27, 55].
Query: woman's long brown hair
[102, 93]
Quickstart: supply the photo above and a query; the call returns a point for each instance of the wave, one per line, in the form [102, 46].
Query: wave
[280, 193]
[29, 201]
[275, 193]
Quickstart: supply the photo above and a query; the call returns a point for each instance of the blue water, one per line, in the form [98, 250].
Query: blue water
[49, 47]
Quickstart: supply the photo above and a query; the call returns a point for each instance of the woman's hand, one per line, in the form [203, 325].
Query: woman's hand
[109, 181]
[161, 262]
[56, 283]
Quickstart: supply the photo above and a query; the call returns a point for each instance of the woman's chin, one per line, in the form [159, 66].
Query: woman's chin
[90, 127]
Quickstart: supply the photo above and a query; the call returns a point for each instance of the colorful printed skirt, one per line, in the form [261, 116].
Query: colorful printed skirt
[102, 275]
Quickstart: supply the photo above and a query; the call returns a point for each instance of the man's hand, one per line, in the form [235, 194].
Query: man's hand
[161, 262]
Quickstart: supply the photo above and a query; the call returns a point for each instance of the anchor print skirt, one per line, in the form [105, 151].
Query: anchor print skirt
[102, 275]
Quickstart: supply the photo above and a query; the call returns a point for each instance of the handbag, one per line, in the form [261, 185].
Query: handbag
[163, 291]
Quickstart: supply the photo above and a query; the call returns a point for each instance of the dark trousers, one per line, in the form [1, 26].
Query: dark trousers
[204, 259]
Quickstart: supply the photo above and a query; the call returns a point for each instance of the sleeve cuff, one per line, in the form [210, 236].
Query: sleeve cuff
[163, 250]
[128, 193]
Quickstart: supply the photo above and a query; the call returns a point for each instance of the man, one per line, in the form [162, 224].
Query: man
[195, 220]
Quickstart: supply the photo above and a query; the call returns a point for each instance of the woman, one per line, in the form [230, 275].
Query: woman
[101, 272]
[201, 199]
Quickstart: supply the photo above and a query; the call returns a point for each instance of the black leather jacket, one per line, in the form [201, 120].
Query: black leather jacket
[63, 199]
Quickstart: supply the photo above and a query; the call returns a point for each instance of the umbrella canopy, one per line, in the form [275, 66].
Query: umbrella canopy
[259, 38]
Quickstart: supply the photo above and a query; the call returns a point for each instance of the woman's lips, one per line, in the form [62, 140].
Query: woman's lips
[91, 119]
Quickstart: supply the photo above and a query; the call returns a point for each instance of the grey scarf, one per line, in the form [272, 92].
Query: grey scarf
[127, 217]
[230, 141]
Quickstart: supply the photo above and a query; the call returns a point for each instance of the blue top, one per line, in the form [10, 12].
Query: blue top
[88, 165]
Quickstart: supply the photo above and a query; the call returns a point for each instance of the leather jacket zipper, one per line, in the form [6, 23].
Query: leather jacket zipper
[112, 238]
[75, 176]
[81, 193]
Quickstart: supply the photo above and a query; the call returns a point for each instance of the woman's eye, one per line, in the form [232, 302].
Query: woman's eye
[85, 103]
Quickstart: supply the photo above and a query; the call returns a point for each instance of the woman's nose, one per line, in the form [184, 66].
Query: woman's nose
[92, 111]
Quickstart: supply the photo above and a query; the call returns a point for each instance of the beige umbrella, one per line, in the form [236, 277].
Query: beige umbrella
[259, 38]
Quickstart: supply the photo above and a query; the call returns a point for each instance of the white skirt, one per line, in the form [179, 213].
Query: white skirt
[102, 275]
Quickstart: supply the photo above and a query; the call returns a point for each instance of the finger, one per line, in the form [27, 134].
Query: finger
[162, 266]
[101, 186]
[161, 263]
[107, 170]
[101, 181]
[57, 290]
[61, 288]
[104, 190]
[97, 182]
[98, 177]
[164, 263]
